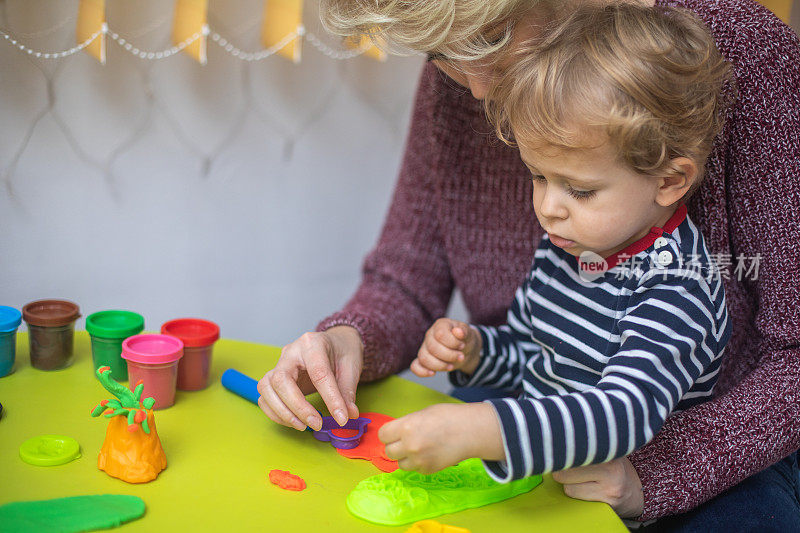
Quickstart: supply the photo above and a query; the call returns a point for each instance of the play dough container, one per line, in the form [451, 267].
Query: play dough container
[153, 360]
[50, 325]
[198, 338]
[107, 330]
[10, 320]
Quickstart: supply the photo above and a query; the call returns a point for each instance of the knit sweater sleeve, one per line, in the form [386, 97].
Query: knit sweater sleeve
[705, 450]
[406, 280]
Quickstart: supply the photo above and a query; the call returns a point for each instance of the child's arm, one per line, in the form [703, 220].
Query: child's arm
[672, 334]
[442, 435]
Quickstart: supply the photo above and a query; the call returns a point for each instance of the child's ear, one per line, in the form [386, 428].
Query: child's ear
[676, 181]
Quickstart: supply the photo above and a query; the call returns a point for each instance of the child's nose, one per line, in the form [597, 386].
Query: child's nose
[551, 205]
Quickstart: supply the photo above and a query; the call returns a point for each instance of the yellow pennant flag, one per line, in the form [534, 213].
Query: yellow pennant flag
[782, 8]
[282, 18]
[191, 21]
[366, 43]
[92, 19]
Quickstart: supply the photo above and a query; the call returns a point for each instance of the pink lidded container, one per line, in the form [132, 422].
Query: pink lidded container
[198, 338]
[153, 360]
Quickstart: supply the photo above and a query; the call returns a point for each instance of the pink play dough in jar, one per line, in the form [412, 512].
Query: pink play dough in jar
[153, 360]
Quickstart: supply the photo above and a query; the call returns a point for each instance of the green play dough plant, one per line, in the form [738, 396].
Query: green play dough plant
[401, 497]
[70, 515]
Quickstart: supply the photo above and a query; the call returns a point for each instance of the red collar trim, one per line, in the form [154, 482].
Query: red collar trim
[645, 242]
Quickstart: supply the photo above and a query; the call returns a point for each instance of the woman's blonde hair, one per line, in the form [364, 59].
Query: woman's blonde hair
[649, 78]
[453, 28]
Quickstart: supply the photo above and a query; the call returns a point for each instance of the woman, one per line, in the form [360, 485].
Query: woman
[461, 218]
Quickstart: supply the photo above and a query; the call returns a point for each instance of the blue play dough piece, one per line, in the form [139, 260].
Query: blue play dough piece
[240, 384]
[70, 515]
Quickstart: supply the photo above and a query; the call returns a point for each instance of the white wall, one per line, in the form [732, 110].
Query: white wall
[244, 193]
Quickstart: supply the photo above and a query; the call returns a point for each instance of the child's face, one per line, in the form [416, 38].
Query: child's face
[587, 200]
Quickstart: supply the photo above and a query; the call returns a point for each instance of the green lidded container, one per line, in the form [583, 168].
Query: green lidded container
[107, 330]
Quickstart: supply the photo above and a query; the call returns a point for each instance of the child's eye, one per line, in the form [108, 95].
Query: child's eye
[537, 177]
[578, 194]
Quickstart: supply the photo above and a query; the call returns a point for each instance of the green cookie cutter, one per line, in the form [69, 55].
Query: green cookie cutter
[402, 497]
[49, 450]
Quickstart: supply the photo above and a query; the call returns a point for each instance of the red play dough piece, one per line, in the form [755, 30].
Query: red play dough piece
[286, 480]
[344, 433]
[370, 447]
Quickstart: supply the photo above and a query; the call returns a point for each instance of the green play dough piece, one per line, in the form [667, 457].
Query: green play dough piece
[70, 515]
[49, 450]
[401, 497]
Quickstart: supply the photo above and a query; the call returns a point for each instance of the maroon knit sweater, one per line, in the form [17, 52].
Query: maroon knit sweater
[461, 217]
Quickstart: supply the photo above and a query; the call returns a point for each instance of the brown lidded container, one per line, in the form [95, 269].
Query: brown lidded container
[50, 325]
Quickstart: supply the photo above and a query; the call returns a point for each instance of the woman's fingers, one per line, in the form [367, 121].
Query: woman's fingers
[616, 483]
[580, 474]
[588, 491]
[314, 353]
[275, 408]
[348, 373]
[288, 394]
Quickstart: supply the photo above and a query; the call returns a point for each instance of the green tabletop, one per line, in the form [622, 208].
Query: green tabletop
[220, 449]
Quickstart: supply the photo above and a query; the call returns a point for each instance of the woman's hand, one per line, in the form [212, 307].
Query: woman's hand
[448, 345]
[328, 362]
[615, 483]
[442, 435]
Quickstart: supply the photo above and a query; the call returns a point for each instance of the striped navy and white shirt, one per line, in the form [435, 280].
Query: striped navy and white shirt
[603, 359]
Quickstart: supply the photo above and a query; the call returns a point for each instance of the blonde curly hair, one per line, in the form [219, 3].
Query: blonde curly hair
[456, 29]
[648, 79]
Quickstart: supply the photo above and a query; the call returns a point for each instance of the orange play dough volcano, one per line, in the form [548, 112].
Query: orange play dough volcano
[132, 450]
[132, 456]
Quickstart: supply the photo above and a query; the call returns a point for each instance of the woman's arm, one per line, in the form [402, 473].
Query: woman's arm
[406, 281]
[703, 451]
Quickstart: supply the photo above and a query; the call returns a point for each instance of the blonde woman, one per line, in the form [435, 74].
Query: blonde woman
[461, 217]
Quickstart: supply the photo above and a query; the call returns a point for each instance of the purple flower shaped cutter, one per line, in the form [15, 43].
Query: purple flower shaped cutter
[329, 424]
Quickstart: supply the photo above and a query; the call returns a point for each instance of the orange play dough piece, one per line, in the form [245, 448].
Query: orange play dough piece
[286, 480]
[132, 456]
[370, 447]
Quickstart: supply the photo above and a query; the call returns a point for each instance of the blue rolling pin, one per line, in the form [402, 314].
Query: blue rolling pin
[238, 383]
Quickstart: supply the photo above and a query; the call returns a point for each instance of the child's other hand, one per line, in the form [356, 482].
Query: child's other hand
[448, 345]
[442, 435]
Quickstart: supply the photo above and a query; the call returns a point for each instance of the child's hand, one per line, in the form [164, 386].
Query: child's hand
[442, 435]
[448, 345]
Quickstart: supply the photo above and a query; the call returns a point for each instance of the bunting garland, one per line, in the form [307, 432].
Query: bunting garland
[91, 20]
[282, 33]
[282, 18]
[191, 21]
[368, 44]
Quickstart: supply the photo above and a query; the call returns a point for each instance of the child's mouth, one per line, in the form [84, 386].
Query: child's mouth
[561, 242]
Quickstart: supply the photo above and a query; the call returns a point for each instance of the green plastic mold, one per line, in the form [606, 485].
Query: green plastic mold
[49, 450]
[402, 497]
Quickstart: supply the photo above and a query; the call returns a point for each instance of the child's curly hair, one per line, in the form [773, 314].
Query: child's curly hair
[649, 78]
